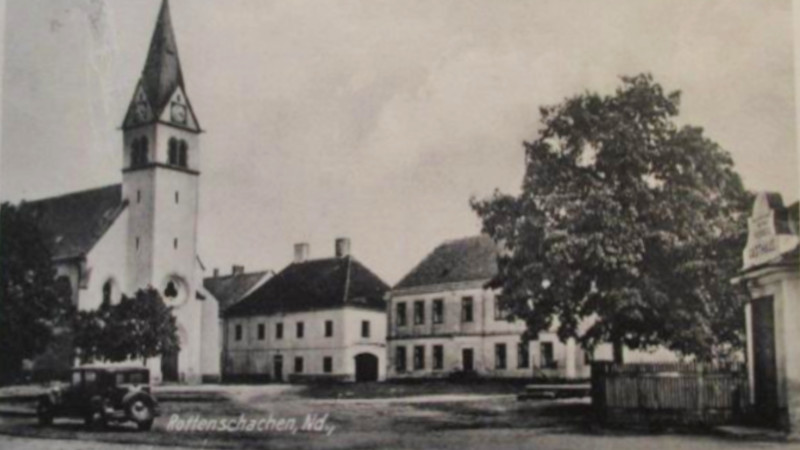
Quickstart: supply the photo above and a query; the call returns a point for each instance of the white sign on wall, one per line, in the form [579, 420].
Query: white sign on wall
[764, 244]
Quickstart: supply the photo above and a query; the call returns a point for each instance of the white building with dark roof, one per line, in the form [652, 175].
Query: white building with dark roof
[142, 233]
[315, 319]
[443, 320]
[231, 288]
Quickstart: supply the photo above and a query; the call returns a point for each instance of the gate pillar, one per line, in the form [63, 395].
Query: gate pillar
[771, 273]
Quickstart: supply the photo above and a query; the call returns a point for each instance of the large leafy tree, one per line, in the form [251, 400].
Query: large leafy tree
[627, 229]
[136, 328]
[32, 302]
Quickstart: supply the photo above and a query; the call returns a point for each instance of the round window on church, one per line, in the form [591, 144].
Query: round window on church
[175, 292]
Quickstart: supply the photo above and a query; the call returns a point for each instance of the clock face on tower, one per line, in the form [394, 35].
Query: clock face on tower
[142, 113]
[178, 113]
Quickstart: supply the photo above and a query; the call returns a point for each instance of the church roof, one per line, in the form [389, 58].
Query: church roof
[229, 289]
[162, 70]
[74, 222]
[162, 73]
[312, 285]
[467, 259]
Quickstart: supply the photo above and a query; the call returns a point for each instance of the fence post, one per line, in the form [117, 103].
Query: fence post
[701, 396]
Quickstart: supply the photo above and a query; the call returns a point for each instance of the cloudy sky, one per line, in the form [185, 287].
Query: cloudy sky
[374, 119]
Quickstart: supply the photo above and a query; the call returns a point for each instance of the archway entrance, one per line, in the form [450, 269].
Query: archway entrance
[366, 367]
[170, 370]
[169, 366]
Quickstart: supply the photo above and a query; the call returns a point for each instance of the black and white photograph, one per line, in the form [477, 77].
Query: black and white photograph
[399, 224]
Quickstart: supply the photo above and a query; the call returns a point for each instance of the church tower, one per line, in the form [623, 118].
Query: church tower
[161, 157]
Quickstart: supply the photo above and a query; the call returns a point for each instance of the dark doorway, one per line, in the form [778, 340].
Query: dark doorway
[169, 366]
[277, 368]
[366, 367]
[764, 366]
[467, 360]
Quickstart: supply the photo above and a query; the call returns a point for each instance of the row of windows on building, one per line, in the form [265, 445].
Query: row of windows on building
[500, 357]
[177, 154]
[299, 364]
[437, 311]
[261, 330]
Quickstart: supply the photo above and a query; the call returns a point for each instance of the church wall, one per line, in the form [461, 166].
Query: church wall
[174, 258]
[106, 262]
[139, 245]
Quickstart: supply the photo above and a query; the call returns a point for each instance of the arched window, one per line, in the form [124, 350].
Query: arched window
[144, 149]
[139, 152]
[172, 158]
[107, 291]
[183, 154]
[135, 153]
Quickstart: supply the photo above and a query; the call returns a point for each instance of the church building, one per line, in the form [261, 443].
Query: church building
[117, 239]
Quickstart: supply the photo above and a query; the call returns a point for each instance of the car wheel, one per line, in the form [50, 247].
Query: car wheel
[44, 412]
[141, 412]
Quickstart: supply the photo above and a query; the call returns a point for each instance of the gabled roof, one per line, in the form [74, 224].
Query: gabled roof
[75, 222]
[312, 285]
[229, 289]
[467, 259]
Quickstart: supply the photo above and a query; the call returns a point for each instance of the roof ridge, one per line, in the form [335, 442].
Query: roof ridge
[231, 275]
[69, 194]
[465, 238]
[453, 260]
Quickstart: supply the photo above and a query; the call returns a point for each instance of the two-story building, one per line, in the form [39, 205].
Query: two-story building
[315, 319]
[443, 320]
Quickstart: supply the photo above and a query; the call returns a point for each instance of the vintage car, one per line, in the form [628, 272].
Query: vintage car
[100, 395]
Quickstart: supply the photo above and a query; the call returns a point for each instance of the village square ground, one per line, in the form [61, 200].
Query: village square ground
[377, 416]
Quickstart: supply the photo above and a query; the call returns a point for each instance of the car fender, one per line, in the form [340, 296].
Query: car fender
[137, 393]
[52, 397]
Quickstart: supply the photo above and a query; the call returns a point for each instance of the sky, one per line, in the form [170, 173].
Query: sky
[376, 120]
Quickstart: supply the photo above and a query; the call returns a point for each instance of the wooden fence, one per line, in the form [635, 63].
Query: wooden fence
[669, 394]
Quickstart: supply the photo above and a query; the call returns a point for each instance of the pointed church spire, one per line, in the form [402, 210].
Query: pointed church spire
[162, 70]
[161, 76]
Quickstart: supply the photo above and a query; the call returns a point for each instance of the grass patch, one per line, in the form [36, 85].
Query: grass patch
[399, 389]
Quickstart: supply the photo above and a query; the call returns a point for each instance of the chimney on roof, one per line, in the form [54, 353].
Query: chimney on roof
[237, 270]
[301, 252]
[216, 272]
[342, 247]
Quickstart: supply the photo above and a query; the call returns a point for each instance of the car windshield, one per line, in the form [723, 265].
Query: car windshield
[136, 377]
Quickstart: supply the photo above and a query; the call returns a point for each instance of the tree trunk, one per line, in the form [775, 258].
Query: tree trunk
[618, 352]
